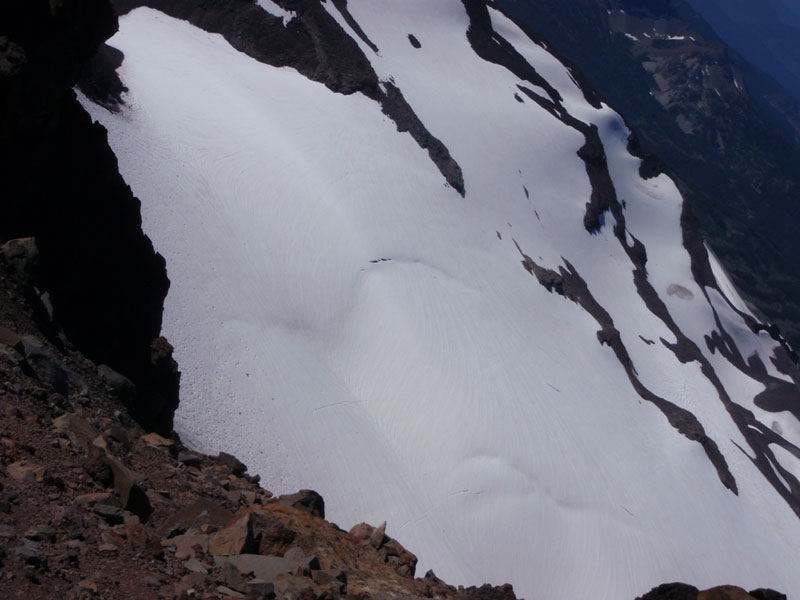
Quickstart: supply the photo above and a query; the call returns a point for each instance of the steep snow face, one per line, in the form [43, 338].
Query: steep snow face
[345, 320]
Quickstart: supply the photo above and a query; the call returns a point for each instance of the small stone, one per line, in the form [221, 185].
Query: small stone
[89, 585]
[300, 559]
[136, 537]
[10, 338]
[263, 567]
[113, 515]
[188, 459]
[31, 553]
[119, 385]
[86, 499]
[202, 511]
[233, 577]
[330, 578]
[41, 533]
[109, 537]
[118, 434]
[187, 546]
[7, 532]
[226, 591]
[26, 471]
[195, 566]
[107, 548]
[45, 364]
[156, 440]
[259, 588]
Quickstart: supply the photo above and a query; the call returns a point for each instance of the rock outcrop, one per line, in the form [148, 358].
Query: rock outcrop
[104, 283]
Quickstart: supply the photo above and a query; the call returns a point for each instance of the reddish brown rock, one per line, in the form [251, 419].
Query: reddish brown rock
[305, 500]
[235, 538]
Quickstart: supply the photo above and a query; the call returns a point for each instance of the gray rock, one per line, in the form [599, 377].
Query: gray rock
[259, 588]
[7, 531]
[45, 364]
[41, 533]
[113, 515]
[31, 553]
[300, 559]
[262, 567]
[234, 578]
[22, 255]
[128, 484]
[119, 385]
[195, 566]
[226, 591]
[188, 459]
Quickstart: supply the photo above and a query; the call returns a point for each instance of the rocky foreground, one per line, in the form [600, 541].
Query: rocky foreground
[92, 505]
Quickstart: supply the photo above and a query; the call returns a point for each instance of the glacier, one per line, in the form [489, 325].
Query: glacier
[453, 363]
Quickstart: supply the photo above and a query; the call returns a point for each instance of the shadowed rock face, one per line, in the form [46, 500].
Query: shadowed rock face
[62, 187]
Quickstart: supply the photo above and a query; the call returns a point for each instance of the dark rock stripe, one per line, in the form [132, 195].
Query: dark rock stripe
[568, 283]
[316, 46]
[341, 6]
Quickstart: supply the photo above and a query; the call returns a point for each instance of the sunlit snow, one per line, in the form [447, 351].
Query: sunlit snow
[443, 390]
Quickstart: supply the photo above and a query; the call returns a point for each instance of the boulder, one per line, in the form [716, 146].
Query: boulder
[26, 471]
[156, 440]
[22, 255]
[265, 568]
[113, 515]
[201, 512]
[119, 385]
[86, 499]
[187, 546]
[132, 496]
[236, 538]
[272, 536]
[300, 561]
[672, 591]
[291, 587]
[305, 500]
[724, 592]
[45, 364]
[233, 464]
[78, 430]
[10, 338]
[767, 594]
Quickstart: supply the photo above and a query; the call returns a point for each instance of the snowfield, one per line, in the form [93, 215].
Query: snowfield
[346, 321]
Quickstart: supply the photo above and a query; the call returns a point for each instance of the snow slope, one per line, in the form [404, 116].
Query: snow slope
[346, 321]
